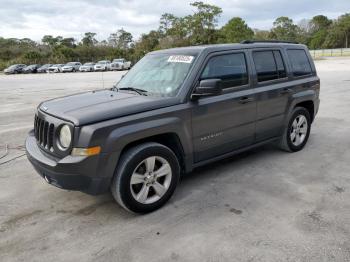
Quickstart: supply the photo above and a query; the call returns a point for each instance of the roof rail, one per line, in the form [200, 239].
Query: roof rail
[267, 41]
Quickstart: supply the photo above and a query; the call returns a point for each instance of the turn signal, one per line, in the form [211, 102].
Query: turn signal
[91, 151]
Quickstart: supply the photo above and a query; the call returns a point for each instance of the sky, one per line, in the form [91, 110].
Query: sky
[71, 18]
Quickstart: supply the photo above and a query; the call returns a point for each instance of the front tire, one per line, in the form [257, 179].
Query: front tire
[146, 177]
[296, 134]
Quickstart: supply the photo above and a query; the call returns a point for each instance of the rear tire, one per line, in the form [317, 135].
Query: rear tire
[146, 177]
[296, 134]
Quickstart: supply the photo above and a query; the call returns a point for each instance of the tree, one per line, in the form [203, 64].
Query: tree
[261, 34]
[32, 56]
[166, 23]
[203, 23]
[68, 42]
[319, 22]
[121, 39]
[319, 26]
[89, 39]
[344, 28]
[284, 29]
[50, 40]
[235, 31]
[339, 33]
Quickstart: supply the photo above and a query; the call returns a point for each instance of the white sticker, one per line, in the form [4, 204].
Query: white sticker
[180, 59]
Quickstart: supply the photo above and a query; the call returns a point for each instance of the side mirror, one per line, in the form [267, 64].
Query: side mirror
[208, 87]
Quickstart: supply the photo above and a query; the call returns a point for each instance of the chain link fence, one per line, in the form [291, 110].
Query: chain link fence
[330, 52]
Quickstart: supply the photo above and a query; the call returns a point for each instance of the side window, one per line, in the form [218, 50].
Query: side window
[300, 62]
[230, 68]
[280, 65]
[269, 65]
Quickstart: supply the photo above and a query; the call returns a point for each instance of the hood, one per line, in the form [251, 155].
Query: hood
[96, 106]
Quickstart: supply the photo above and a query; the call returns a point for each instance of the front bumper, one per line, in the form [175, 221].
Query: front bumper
[85, 69]
[116, 67]
[71, 173]
[69, 69]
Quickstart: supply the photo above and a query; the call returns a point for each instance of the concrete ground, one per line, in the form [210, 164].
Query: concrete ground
[263, 205]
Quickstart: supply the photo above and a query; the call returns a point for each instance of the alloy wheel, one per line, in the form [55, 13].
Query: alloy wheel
[298, 130]
[150, 180]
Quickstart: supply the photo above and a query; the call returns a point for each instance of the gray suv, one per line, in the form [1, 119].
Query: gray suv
[175, 110]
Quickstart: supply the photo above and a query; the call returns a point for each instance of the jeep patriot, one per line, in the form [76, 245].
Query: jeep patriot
[175, 110]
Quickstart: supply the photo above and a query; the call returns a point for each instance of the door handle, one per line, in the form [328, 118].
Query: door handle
[286, 91]
[245, 100]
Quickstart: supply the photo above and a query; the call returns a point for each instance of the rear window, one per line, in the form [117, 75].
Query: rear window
[269, 65]
[300, 62]
[230, 68]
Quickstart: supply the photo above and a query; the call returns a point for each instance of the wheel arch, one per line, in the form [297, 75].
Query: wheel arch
[169, 139]
[309, 106]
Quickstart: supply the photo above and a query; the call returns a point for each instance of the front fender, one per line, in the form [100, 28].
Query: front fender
[120, 137]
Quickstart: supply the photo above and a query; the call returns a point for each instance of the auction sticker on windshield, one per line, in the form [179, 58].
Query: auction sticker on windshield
[180, 59]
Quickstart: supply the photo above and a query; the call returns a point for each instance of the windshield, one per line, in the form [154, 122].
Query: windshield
[13, 66]
[159, 74]
[70, 64]
[88, 64]
[118, 60]
[102, 62]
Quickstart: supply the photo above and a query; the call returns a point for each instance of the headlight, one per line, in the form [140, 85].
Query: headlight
[65, 137]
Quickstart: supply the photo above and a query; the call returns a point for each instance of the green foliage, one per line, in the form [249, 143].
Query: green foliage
[89, 39]
[284, 29]
[200, 27]
[121, 39]
[235, 31]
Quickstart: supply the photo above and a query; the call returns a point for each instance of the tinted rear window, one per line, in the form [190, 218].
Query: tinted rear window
[300, 62]
[230, 68]
[269, 65]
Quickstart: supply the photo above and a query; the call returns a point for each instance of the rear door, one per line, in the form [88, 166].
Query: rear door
[273, 91]
[225, 122]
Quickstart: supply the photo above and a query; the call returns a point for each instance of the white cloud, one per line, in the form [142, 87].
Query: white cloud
[69, 18]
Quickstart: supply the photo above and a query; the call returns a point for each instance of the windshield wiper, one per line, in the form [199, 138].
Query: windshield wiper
[137, 90]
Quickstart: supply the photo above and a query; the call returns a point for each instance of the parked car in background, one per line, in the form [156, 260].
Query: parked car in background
[31, 69]
[120, 64]
[57, 68]
[87, 67]
[103, 65]
[43, 68]
[71, 67]
[14, 69]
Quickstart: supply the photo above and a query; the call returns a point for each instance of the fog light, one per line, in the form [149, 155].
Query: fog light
[91, 151]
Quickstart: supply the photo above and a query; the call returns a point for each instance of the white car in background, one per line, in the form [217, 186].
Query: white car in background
[103, 65]
[56, 68]
[120, 64]
[71, 67]
[87, 67]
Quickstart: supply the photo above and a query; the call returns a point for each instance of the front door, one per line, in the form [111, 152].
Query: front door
[225, 122]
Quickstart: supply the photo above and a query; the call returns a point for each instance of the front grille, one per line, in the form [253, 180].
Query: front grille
[43, 132]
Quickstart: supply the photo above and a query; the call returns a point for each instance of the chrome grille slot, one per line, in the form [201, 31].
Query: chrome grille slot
[43, 132]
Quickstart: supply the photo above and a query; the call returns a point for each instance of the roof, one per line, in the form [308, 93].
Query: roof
[194, 50]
